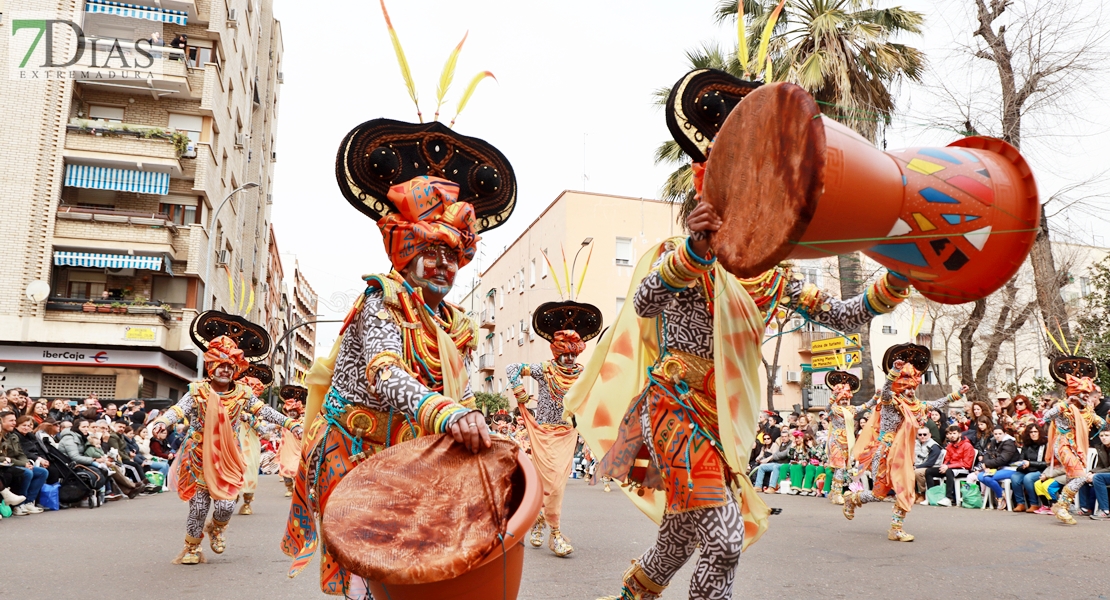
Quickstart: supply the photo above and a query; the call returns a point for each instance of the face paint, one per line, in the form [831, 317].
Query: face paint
[435, 270]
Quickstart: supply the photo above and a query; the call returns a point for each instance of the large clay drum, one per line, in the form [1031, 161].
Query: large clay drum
[429, 519]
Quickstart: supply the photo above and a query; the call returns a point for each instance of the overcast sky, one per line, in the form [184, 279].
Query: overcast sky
[573, 98]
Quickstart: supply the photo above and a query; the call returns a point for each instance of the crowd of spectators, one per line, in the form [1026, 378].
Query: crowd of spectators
[107, 449]
[1000, 446]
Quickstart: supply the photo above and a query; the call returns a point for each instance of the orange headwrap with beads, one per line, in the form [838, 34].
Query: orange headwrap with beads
[1079, 385]
[254, 384]
[428, 213]
[908, 378]
[567, 341]
[224, 350]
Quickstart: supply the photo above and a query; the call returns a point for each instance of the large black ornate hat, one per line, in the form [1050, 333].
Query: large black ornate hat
[917, 355]
[835, 378]
[294, 392]
[1076, 366]
[382, 153]
[252, 339]
[698, 106]
[261, 372]
[583, 319]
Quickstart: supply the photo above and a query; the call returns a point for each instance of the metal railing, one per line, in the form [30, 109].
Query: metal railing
[486, 362]
[112, 215]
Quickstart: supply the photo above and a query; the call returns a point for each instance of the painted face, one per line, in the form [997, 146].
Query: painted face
[567, 359]
[434, 269]
[222, 373]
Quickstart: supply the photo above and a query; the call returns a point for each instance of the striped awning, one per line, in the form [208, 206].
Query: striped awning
[121, 180]
[107, 261]
[150, 13]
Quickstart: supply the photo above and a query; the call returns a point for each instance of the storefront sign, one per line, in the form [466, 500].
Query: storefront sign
[138, 334]
[96, 357]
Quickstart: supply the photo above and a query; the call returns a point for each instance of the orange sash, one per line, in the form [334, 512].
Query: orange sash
[552, 454]
[223, 460]
[899, 459]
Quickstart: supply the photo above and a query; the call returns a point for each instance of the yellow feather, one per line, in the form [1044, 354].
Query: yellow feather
[470, 92]
[402, 61]
[585, 268]
[765, 39]
[551, 270]
[250, 304]
[448, 75]
[242, 292]
[742, 36]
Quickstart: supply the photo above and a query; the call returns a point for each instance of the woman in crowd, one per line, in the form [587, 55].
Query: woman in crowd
[999, 452]
[94, 449]
[1023, 408]
[159, 447]
[39, 412]
[798, 457]
[59, 411]
[981, 433]
[818, 474]
[1097, 479]
[25, 429]
[1031, 463]
[773, 455]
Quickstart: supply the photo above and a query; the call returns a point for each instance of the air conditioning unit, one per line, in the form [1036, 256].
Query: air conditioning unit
[273, 155]
[190, 151]
[240, 140]
[797, 323]
[793, 376]
[269, 198]
[890, 330]
[222, 257]
[241, 263]
[281, 77]
[520, 341]
[232, 18]
[525, 327]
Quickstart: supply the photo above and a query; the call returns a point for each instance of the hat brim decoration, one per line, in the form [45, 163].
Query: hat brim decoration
[551, 317]
[1076, 366]
[260, 372]
[698, 105]
[381, 153]
[294, 392]
[835, 378]
[915, 354]
[252, 339]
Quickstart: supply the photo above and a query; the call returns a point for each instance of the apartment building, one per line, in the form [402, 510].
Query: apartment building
[302, 315]
[112, 179]
[276, 313]
[619, 230]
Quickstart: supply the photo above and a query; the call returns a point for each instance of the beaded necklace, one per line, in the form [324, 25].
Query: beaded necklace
[421, 343]
[560, 378]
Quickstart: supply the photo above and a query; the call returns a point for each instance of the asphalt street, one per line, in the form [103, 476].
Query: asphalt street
[124, 549]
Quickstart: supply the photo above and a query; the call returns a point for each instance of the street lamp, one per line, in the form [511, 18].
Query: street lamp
[287, 350]
[574, 263]
[205, 304]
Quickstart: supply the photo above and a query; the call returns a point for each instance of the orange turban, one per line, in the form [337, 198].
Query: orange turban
[255, 385]
[909, 378]
[224, 350]
[294, 405]
[1079, 385]
[842, 391]
[428, 213]
[567, 341]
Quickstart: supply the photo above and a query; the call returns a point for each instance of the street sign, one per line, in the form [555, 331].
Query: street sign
[836, 343]
[846, 359]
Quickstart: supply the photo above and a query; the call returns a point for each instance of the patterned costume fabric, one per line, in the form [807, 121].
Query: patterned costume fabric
[386, 411]
[428, 214]
[1068, 438]
[677, 421]
[886, 443]
[549, 411]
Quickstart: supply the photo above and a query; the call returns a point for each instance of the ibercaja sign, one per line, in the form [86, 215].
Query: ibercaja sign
[88, 46]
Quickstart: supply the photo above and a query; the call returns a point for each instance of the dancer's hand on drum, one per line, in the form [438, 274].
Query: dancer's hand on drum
[702, 220]
[471, 430]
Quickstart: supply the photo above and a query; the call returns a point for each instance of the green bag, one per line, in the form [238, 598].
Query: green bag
[935, 494]
[155, 478]
[971, 496]
[5, 510]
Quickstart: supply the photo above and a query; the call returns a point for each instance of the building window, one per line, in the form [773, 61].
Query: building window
[1009, 374]
[190, 125]
[543, 267]
[532, 274]
[1084, 287]
[624, 251]
[169, 290]
[531, 330]
[521, 280]
[501, 298]
[778, 381]
[86, 285]
[620, 306]
[181, 210]
[112, 114]
[500, 344]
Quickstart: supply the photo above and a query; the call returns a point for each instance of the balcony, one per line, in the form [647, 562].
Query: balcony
[488, 319]
[486, 362]
[117, 230]
[816, 396]
[116, 66]
[125, 146]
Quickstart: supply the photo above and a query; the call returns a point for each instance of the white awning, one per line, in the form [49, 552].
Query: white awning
[121, 180]
[150, 13]
[107, 261]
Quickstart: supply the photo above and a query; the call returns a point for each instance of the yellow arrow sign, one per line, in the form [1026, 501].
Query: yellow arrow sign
[836, 343]
[843, 360]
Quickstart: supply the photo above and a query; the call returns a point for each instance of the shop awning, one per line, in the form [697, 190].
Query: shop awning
[149, 13]
[121, 180]
[107, 261]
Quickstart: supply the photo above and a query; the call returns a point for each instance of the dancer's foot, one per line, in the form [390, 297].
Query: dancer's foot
[536, 536]
[191, 554]
[837, 499]
[559, 544]
[1061, 512]
[851, 503]
[215, 531]
[897, 535]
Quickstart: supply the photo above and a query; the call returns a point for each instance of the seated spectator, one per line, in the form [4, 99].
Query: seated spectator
[39, 412]
[1028, 469]
[818, 474]
[980, 433]
[137, 413]
[773, 456]
[999, 452]
[59, 411]
[959, 456]
[159, 447]
[926, 454]
[143, 459]
[1022, 408]
[33, 476]
[979, 409]
[11, 478]
[1097, 480]
[794, 470]
[933, 424]
[32, 448]
[94, 449]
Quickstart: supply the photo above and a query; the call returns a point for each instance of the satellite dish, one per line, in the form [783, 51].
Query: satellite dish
[37, 291]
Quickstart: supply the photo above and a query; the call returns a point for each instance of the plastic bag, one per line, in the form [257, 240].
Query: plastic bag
[971, 495]
[935, 494]
[48, 496]
[155, 478]
[5, 510]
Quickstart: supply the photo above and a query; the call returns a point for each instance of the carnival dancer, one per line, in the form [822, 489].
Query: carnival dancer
[290, 451]
[210, 462]
[1071, 424]
[250, 442]
[841, 428]
[567, 326]
[886, 443]
[397, 371]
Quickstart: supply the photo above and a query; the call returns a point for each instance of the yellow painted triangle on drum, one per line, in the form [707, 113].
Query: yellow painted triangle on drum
[922, 275]
[923, 223]
[924, 167]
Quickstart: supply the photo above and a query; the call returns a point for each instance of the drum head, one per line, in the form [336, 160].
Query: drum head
[764, 177]
[422, 511]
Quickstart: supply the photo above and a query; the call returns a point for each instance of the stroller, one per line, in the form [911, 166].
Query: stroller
[79, 484]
